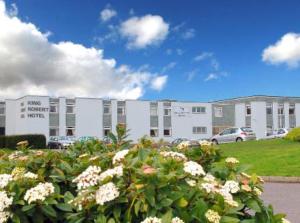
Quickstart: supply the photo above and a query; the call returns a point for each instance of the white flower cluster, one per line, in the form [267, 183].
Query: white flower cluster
[39, 192]
[231, 186]
[4, 180]
[117, 171]
[193, 168]
[5, 201]
[119, 156]
[174, 155]
[212, 216]
[152, 220]
[205, 143]
[209, 178]
[87, 178]
[283, 220]
[4, 216]
[183, 145]
[257, 191]
[106, 193]
[231, 160]
[84, 196]
[30, 175]
[190, 182]
[177, 220]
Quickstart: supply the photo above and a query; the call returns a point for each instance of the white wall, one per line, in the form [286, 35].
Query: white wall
[89, 117]
[297, 113]
[138, 119]
[10, 119]
[240, 115]
[286, 114]
[275, 115]
[182, 126]
[259, 118]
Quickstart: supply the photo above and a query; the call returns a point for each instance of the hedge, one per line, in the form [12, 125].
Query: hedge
[36, 141]
[294, 135]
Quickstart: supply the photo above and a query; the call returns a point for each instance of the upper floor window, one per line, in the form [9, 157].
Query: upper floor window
[106, 110]
[269, 109]
[198, 110]
[167, 112]
[70, 109]
[2, 110]
[54, 108]
[153, 109]
[218, 112]
[248, 109]
[280, 109]
[292, 109]
[121, 110]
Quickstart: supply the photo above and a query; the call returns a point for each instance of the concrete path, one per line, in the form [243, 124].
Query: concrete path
[285, 198]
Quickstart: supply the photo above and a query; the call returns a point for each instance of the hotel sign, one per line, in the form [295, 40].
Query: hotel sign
[34, 109]
[181, 111]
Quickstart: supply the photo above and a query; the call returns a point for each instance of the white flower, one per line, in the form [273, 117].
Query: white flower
[192, 183]
[283, 220]
[152, 220]
[5, 201]
[15, 155]
[177, 220]
[193, 168]
[257, 191]
[4, 180]
[39, 192]
[117, 171]
[4, 216]
[174, 155]
[232, 186]
[208, 187]
[209, 178]
[106, 192]
[83, 197]
[183, 145]
[120, 156]
[88, 178]
[30, 175]
[231, 160]
[232, 203]
[212, 216]
[205, 143]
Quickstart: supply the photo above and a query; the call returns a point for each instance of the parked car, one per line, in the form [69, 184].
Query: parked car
[234, 135]
[60, 142]
[280, 133]
[86, 138]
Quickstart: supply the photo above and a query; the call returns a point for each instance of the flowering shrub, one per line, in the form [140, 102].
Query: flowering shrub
[123, 183]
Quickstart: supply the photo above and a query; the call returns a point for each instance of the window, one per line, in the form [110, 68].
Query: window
[70, 131]
[291, 109]
[54, 131]
[167, 132]
[280, 109]
[198, 110]
[153, 111]
[106, 110]
[106, 132]
[70, 109]
[2, 111]
[248, 110]
[199, 130]
[218, 112]
[269, 109]
[167, 112]
[53, 108]
[226, 132]
[154, 132]
[121, 111]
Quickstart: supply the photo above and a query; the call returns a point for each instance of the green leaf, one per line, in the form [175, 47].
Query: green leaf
[253, 204]
[49, 211]
[167, 217]
[64, 207]
[182, 202]
[28, 207]
[227, 219]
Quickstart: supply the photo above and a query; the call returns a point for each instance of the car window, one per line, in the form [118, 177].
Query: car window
[245, 129]
[232, 131]
[226, 132]
[281, 131]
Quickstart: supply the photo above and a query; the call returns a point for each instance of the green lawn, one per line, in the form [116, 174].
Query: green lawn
[276, 157]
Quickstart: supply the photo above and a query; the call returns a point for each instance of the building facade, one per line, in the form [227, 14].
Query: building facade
[165, 119]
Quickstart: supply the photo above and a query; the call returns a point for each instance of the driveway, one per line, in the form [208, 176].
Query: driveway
[285, 198]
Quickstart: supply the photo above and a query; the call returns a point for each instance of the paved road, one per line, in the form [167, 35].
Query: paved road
[285, 198]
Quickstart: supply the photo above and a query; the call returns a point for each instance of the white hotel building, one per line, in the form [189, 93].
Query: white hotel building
[166, 119]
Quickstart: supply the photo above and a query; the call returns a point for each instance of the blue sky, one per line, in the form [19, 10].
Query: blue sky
[210, 50]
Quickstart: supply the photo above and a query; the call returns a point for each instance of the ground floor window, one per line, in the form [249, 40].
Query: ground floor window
[54, 131]
[199, 130]
[106, 131]
[2, 131]
[70, 131]
[154, 132]
[167, 132]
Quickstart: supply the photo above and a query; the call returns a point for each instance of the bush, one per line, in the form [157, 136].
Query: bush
[123, 183]
[35, 141]
[294, 135]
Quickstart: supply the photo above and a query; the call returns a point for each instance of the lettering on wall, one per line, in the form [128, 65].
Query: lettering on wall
[34, 109]
[181, 111]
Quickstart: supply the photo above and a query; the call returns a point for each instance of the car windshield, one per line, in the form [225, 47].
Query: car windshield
[246, 129]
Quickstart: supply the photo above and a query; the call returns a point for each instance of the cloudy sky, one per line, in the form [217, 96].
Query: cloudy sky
[201, 50]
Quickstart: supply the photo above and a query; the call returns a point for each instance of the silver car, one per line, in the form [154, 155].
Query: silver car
[234, 135]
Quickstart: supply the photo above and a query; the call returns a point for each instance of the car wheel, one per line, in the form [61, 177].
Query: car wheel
[239, 139]
[215, 142]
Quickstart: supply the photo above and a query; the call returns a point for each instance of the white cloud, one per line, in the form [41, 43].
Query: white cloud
[159, 82]
[192, 74]
[168, 67]
[13, 10]
[107, 14]
[30, 64]
[144, 31]
[203, 56]
[211, 76]
[284, 51]
[189, 34]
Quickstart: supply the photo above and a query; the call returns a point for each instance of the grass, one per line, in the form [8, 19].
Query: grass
[276, 157]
